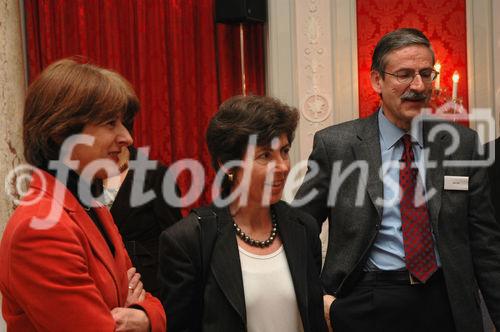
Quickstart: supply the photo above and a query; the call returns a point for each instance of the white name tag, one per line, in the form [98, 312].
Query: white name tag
[456, 182]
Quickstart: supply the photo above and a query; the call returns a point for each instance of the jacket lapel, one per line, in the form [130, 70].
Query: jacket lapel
[99, 245]
[82, 219]
[367, 148]
[434, 182]
[226, 266]
[293, 236]
[120, 260]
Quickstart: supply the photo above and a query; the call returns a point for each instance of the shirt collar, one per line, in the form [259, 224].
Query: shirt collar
[390, 134]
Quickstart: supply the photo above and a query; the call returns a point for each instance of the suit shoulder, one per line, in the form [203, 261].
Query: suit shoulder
[45, 217]
[301, 217]
[184, 233]
[186, 227]
[341, 129]
[308, 221]
[37, 231]
[450, 127]
[468, 132]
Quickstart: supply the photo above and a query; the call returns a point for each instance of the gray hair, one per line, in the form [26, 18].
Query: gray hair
[395, 40]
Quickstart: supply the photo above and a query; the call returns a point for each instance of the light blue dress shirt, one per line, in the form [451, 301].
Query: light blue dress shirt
[387, 252]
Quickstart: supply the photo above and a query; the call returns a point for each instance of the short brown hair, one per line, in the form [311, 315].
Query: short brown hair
[242, 116]
[67, 96]
[396, 40]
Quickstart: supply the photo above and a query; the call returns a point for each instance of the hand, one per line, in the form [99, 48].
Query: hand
[327, 304]
[133, 320]
[136, 292]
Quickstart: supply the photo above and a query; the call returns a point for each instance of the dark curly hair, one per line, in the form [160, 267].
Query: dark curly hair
[241, 116]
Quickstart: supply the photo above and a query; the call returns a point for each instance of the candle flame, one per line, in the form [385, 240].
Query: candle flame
[455, 77]
[437, 67]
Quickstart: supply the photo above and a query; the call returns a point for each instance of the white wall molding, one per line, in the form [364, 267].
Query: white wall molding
[281, 59]
[344, 61]
[12, 90]
[312, 63]
[314, 69]
[480, 69]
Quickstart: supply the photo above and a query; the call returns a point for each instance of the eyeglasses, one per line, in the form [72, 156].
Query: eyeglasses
[406, 76]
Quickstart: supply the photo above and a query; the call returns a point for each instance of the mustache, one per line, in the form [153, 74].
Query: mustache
[414, 96]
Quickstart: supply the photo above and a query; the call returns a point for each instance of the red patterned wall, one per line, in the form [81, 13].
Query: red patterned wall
[443, 22]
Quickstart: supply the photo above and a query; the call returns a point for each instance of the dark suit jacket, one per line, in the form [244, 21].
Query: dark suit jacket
[463, 224]
[140, 227]
[494, 176]
[221, 305]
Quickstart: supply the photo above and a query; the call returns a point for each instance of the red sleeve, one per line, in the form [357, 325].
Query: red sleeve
[153, 308]
[48, 277]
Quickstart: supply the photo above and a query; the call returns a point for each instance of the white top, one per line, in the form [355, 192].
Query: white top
[270, 300]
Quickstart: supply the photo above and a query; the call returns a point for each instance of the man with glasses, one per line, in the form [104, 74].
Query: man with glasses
[411, 235]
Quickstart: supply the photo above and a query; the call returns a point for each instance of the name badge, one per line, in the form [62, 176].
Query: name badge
[456, 182]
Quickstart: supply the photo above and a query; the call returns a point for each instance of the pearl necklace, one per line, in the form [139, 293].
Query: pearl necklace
[256, 243]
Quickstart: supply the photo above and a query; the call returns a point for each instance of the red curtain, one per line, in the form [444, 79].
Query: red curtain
[228, 46]
[180, 62]
[443, 22]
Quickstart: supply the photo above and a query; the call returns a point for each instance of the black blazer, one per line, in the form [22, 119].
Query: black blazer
[140, 227]
[494, 176]
[219, 305]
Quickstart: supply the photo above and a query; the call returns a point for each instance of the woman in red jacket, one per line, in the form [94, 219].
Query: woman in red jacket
[64, 266]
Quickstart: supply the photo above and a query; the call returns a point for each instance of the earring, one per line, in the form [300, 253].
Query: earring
[230, 177]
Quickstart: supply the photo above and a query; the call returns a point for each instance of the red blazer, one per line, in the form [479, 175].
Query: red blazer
[57, 272]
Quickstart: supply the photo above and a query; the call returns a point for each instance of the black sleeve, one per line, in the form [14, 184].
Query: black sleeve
[180, 277]
[314, 240]
[484, 232]
[316, 291]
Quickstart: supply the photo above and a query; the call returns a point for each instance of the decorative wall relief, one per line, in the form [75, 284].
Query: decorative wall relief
[316, 109]
[314, 69]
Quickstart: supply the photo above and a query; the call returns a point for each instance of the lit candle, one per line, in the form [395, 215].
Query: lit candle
[455, 79]
[437, 84]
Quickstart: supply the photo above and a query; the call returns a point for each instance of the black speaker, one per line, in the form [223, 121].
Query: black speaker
[240, 11]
